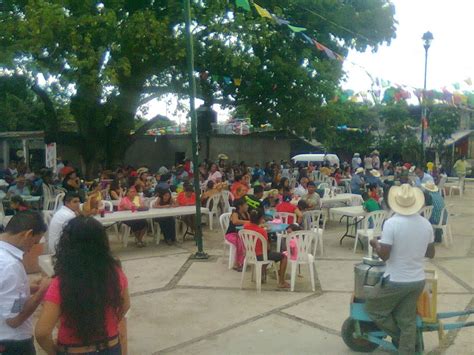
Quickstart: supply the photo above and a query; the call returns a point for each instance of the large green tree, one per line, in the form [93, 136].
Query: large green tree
[108, 58]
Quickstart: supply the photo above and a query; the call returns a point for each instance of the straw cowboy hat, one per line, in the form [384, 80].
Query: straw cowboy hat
[430, 186]
[375, 173]
[222, 156]
[273, 193]
[142, 170]
[359, 170]
[406, 200]
[356, 154]
[375, 152]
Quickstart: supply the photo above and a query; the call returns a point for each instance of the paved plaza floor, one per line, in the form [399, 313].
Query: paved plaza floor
[185, 306]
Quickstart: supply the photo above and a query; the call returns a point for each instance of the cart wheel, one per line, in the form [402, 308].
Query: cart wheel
[358, 344]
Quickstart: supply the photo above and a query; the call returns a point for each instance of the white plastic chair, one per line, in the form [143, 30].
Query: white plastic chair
[48, 197]
[249, 239]
[457, 188]
[445, 227]
[58, 201]
[312, 222]
[302, 242]
[47, 216]
[377, 218]
[441, 184]
[224, 221]
[285, 217]
[214, 209]
[356, 200]
[426, 212]
[227, 197]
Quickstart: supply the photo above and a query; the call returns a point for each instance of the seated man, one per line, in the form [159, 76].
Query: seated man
[422, 177]
[20, 188]
[62, 216]
[255, 201]
[312, 198]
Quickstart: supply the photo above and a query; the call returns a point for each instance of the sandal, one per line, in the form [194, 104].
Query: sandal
[237, 268]
[285, 285]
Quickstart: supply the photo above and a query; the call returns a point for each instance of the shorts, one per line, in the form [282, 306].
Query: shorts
[272, 255]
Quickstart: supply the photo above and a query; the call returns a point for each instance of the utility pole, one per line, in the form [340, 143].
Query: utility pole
[200, 254]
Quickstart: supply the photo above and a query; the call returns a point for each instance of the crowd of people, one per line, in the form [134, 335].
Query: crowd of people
[89, 321]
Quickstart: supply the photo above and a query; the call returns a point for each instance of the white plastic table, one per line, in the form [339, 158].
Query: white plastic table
[349, 212]
[345, 198]
[121, 216]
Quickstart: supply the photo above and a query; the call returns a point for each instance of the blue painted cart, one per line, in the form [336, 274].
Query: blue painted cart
[362, 335]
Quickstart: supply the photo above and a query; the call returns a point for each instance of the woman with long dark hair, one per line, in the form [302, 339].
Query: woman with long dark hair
[88, 295]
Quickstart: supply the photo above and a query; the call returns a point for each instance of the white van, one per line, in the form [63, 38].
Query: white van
[316, 158]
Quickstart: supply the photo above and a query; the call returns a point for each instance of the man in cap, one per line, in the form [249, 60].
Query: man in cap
[407, 238]
[357, 181]
[356, 161]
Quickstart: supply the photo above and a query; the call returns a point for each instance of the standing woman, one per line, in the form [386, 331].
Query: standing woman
[88, 295]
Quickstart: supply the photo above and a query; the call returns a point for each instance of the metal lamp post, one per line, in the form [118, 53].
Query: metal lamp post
[427, 38]
[200, 254]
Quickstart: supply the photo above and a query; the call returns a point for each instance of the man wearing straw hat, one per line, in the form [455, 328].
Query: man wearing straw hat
[407, 238]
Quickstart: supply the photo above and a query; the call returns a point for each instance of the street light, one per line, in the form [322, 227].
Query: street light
[427, 38]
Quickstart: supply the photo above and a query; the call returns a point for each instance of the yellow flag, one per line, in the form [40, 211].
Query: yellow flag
[263, 12]
[237, 81]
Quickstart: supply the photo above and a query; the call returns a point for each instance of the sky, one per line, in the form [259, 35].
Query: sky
[450, 57]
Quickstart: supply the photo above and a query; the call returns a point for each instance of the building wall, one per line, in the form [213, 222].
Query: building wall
[161, 150]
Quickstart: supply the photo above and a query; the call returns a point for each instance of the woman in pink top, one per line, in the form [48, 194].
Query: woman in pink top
[88, 296]
[132, 202]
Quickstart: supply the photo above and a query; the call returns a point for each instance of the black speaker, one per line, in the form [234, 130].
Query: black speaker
[206, 116]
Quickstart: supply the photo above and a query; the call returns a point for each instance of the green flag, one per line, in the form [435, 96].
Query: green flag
[296, 29]
[244, 4]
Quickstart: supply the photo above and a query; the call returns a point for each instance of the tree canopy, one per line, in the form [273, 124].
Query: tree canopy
[103, 60]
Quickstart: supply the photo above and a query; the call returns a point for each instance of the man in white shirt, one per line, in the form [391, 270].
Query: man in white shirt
[19, 299]
[407, 238]
[302, 188]
[67, 212]
[422, 177]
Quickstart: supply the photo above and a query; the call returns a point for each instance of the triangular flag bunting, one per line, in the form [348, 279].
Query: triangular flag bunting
[244, 4]
[468, 81]
[296, 29]
[263, 12]
[339, 57]
[227, 80]
[237, 81]
[307, 39]
[280, 21]
[319, 45]
[329, 53]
